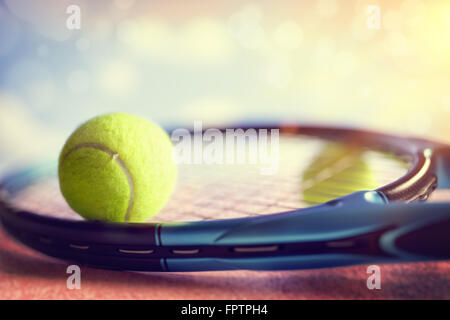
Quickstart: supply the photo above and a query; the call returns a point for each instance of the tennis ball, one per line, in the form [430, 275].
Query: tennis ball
[117, 167]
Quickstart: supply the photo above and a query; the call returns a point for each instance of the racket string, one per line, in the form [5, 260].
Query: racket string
[223, 191]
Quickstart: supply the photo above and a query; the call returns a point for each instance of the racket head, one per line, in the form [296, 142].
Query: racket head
[279, 193]
[310, 169]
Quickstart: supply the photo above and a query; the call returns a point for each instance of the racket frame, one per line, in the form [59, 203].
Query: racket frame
[363, 227]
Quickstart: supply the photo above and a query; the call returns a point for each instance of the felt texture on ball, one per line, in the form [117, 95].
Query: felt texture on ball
[117, 167]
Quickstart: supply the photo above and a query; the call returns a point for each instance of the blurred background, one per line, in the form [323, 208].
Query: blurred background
[322, 61]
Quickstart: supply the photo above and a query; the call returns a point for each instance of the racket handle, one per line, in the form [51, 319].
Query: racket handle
[418, 232]
[341, 232]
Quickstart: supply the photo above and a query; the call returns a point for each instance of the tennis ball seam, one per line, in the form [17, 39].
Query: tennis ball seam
[114, 156]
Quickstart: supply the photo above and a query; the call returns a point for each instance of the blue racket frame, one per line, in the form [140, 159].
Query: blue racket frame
[365, 227]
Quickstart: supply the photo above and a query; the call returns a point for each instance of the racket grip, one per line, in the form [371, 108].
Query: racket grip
[424, 238]
[355, 229]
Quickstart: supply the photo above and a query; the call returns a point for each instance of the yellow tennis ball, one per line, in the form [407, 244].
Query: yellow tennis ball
[117, 167]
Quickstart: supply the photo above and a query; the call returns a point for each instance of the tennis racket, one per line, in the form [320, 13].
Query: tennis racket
[340, 197]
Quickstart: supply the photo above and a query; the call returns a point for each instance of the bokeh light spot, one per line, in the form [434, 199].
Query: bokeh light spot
[118, 78]
[327, 8]
[288, 35]
[78, 81]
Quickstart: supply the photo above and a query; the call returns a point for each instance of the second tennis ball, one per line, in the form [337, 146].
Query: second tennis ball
[117, 167]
